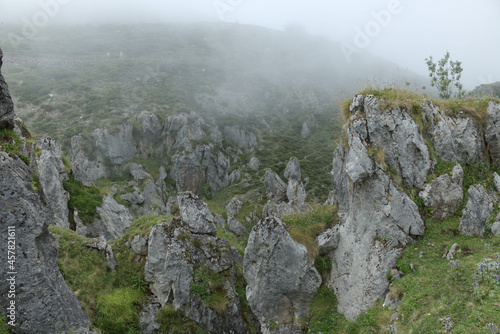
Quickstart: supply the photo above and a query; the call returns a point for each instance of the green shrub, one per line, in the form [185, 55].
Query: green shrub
[117, 311]
[84, 199]
[174, 322]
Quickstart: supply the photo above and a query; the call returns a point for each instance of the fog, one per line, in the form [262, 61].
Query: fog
[404, 32]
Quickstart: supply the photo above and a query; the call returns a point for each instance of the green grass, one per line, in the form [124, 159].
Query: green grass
[11, 144]
[305, 227]
[209, 286]
[174, 322]
[111, 299]
[84, 199]
[4, 328]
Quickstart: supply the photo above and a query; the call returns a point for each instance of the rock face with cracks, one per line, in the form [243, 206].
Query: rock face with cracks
[281, 278]
[44, 303]
[477, 211]
[188, 265]
[6, 105]
[378, 217]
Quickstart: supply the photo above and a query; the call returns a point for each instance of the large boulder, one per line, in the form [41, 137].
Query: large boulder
[492, 134]
[275, 187]
[378, 217]
[444, 195]
[476, 212]
[6, 105]
[292, 171]
[44, 304]
[52, 173]
[183, 268]
[195, 214]
[281, 278]
[241, 136]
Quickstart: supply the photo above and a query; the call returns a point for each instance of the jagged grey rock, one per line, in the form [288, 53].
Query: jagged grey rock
[378, 218]
[182, 128]
[171, 263]
[195, 214]
[236, 226]
[451, 252]
[44, 303]
[114, 220]
[295, 192]
[234, 207]
[137, 171]
[328, 240]
[217, 136]
[151, 127]
[86, 169]
[391, 301]
[456, 138]
[241, 136]
[496, 180]
[139, 245]
[275, 187]
[7, 114]
[492, 134]
[281, 278]
[101, 245]
[308, 126]
[444, 195]
[495, 228]
[292, 171]
[147, 323]
[476, 212]
[52, 173]
[118, 148]
[398, 135]
[254, 164]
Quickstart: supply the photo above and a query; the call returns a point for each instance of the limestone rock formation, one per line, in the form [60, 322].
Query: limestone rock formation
[378, 218]
[492, 134]
[292, 171]
[476, 212]
[87, 165]
[195, 214]
[182, 254]
[114, 219]
[308, 126]
[44, 303]
[281, 278]
[275, 187]
[6, 105]
[52, 173]
[101, 245]
[241, 136]
[444, 195]
[455, 139]
[119, 147]
[254, 164]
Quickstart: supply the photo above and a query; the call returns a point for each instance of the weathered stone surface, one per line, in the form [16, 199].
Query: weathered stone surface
[52, 173]
[151, 127]
[454, 139]
[292, 171]
[254, 164]
[182, 128]
[451, 253]
[119, 147]
[275, 187]
[44, 303]
[147, 323]
[476, 212]
[241, 136]
[139, 245]
[171, 263]
[114, 220]
[137, 171]
[492, 134]
[444, 195]
[495, 228]
[195, 214]
[295, 192]
[398, 135]
[496, 180]
[281, 278]
[308, 126]
[328, 240]
[236, 226]
[6, 105]
[101, 245]
[87, 167]
[378, 218]
[234, 207]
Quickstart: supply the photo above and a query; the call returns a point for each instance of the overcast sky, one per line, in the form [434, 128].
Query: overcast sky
[404, 31]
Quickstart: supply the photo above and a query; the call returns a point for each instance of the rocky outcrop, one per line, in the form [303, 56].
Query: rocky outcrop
[444, 195]
[292, 171]
[195, 214]
[396, 133]
[308, 126]
[233, 208]
[181, 129]
[492, 134]
[6, 105]
[101, 245]
[457, 139]
[184, 256]
[114, 219]
[43, 302]
[117, 147]
[86, 165]
[254, 164]
[275, 187]
[241, 136]
[281, 278]
[52, 173]
[378, 218]
[476, 212]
